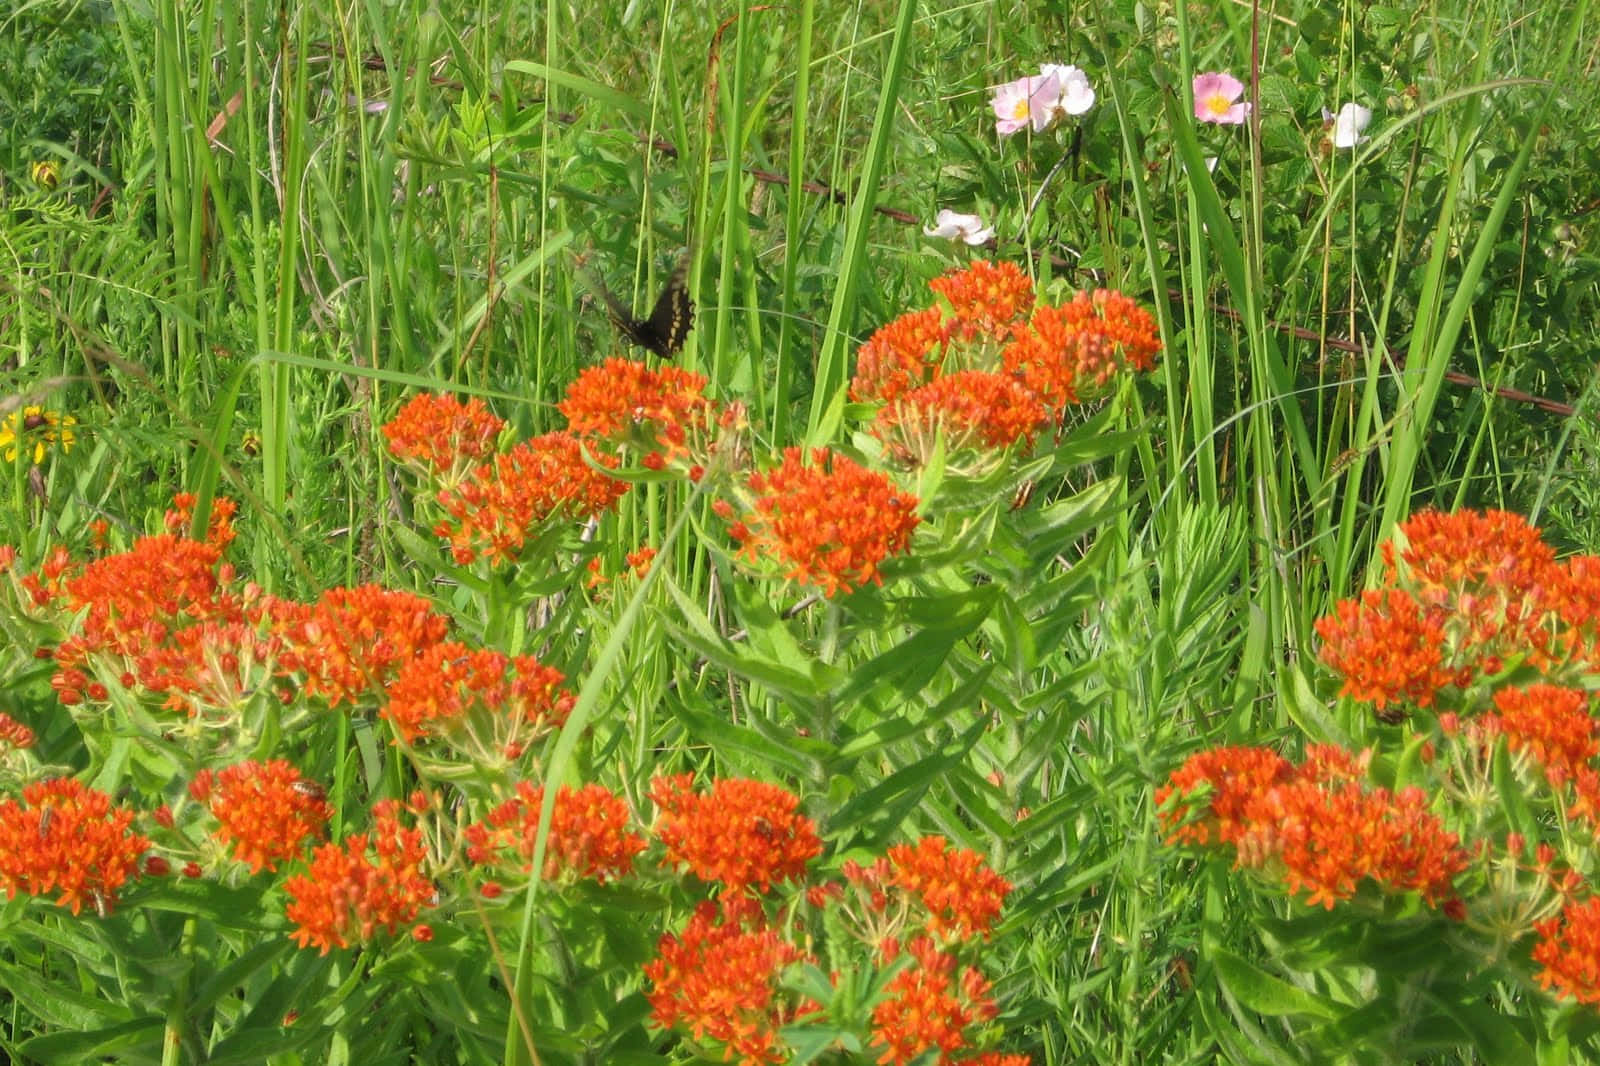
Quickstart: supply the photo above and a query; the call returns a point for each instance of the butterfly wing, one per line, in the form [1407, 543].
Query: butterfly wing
[671, 318]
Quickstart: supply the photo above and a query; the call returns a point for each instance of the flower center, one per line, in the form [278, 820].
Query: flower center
[1217, 104]
[1019, 110]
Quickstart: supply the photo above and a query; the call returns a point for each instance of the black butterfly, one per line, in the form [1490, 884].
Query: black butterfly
[670, 320]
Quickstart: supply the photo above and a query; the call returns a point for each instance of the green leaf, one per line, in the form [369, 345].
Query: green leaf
[91, 1045]
[1265, 994]
[604, 94]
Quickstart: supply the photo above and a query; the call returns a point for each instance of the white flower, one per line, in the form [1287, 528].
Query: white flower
[1074, 94]
[1349, 124]
[951, 224]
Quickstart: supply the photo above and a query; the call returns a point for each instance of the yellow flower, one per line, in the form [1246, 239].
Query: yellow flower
[46, 173]
[34, 426]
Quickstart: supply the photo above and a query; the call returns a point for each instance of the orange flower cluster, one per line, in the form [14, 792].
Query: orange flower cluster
[1387, 648]
[1464, 596]
[353, 642]
[742, 834]
[503, 702]
[719, 979]
[67, 839]
[1553, 725]
[502, 503]
[14, 734]
[132, 600]
[1568, 951]
[625, 404]
[345, 896]
[166, 616]
[930, 1006]
[590, 833]
[986, 298]
[972, 409]
[441, 436]
[831, 523]
[265, 810]
[1023, 364]
[1319, 828]
[901, 356]
[209, 664]
[962, 895]
[959, 895]
[1068, 352]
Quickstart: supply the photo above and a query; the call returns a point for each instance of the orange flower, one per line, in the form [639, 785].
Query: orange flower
[504, 502]
[1569, 951]
[639, 561]
[902, 355]
[995, 1058]
[1063, 352]
[345, 895]
[1487, 577]
[831, 523]
[67, 839]
[625, 403]
[483, 696]
[973, 408]
[719, 980]
[986, 298]
[353, 641]
[132, 599]
[963, 896]
[265, 810]
[212, 664]
[1386, 648]
[1323, 830]
[1233, 777]
[1552, 724]
[589, 833]
[742, 833]
[929, 1006]
[1444, 555]
[1330, 838]
[441, 436]
[14, 734]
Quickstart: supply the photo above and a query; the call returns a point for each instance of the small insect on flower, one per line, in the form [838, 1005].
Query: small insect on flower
[309, 789]
[46, 816]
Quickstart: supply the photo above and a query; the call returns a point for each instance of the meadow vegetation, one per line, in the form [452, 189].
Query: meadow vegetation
[1084, 549]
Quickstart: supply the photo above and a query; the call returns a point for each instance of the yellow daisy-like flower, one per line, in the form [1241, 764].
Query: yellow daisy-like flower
[46, 173]
[34, 427]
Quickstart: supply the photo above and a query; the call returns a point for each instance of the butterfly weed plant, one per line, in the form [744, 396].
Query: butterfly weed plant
[683, 906]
